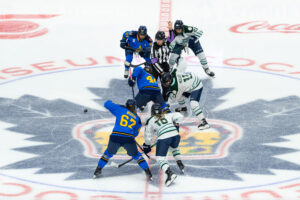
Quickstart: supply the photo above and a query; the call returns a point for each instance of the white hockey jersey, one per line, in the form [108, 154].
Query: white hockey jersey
[183, 82]
[162, 128]
[183, 39]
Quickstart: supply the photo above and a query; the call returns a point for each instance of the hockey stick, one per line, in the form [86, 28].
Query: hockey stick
[124, 163]
[153, 60]
[130, 75]
[127, 161]
[142, 149]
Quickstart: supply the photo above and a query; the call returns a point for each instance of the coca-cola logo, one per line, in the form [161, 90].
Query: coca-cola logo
[265, 27]
[20, 27]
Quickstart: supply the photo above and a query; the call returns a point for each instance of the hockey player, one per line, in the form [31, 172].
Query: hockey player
[126, 128]
[164, 127]
[183, 86]
[161, 52]
[188, 37]
[136, 42]
[148, 88]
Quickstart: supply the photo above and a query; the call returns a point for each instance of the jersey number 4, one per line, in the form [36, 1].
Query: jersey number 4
[150, 79]
[124, 121]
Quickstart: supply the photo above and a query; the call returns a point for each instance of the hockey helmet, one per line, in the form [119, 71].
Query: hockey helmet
[156, 109]
[166, 79]
[178, 24]
[160, 35]
[130, 103]
[142, 30]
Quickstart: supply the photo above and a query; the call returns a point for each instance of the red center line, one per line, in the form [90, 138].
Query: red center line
[164, 17]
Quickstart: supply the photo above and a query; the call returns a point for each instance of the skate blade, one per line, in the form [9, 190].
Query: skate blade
[95, 177]
[203, 127]
[173, 177]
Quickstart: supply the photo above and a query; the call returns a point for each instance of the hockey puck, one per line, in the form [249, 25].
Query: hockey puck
[85, 110]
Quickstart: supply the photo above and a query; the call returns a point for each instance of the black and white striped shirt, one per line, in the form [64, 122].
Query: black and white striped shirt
[162, 54]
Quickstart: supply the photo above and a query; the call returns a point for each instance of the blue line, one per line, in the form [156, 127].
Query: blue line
[126, 192]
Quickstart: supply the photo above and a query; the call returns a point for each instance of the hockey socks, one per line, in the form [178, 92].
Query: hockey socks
[141, 161]
[104, 159]
[203, 60]
[197, 110]
[163, 163]
[176, 154]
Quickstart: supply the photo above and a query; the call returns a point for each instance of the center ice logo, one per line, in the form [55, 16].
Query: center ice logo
[209, 144]
[51, 123]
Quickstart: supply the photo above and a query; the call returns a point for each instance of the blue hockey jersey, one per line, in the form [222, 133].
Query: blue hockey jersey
[132, 40]
[145, 81]
[127, 123]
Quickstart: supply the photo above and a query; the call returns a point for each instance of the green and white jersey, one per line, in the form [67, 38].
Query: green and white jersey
[183, 39]
[184, 82]
[162, 128]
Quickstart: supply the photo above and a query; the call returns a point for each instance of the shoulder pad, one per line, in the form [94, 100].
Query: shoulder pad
[126, 35]
[133, 33]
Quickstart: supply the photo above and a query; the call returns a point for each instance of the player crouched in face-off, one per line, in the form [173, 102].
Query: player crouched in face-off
[165, 127]
[183, 86]
[148, 88]
[127, 127]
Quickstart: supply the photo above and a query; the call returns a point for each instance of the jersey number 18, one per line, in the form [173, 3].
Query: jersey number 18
[162, 120]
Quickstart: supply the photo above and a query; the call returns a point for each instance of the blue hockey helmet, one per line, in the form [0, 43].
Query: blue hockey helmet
[142, 30]
[130, 103]
[156, 109]
[178, 24]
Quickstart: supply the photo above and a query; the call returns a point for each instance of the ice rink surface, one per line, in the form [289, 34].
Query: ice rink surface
[59, 57]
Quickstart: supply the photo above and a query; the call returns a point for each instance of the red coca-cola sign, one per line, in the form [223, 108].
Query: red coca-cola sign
[16, 26]
[265, 27]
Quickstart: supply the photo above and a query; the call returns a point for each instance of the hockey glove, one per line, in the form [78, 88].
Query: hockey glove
[186, 94]
[146, 148]
[177, 126]
[139, 50]
[131, 82]
[123, 44]
[209, 73]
